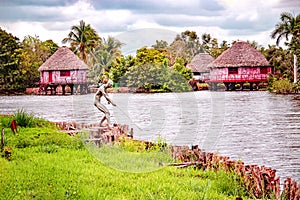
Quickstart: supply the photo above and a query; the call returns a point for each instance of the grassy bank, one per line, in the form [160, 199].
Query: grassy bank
[43, 163]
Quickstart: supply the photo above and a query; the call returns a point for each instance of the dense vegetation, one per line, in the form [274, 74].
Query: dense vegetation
[19, 61]
[41, 162]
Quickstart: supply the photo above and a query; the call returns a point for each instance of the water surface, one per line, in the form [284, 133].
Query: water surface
[256, 127]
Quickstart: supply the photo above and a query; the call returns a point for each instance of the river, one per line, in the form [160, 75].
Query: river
[256, 127]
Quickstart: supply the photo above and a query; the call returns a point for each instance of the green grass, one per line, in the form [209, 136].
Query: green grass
[48, 164]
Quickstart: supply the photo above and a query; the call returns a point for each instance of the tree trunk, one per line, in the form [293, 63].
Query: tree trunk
[295, 68]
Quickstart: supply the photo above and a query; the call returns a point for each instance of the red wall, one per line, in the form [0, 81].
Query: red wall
[75, 77]
[244, 74]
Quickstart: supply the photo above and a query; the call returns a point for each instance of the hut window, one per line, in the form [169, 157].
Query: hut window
[263, 70]
[233, 70]
[64, 73]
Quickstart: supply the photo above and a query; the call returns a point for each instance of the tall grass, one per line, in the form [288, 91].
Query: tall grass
[25, 119]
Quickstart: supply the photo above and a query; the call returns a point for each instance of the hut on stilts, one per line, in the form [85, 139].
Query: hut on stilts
[200, 66]
[238, 65]
[63, 69]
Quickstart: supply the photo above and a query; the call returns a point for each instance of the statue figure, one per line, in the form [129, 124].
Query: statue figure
[102, 92]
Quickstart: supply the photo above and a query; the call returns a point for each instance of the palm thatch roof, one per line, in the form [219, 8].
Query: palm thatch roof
[241, 54]
[63, 59]
[200, 63]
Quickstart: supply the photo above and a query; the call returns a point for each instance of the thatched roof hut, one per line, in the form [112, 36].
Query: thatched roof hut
[239, 64]
[63, 69]
[241, 54]
[200, 63]
[63, 59]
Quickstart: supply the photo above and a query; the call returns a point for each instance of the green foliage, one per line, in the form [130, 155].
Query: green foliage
[228, 184]
[103, 58]
[212, 46]
[33, 54]
[152, 56]
[182, 70]
[282, 86]
[120, 67]
[282, 61]
[288, 26]
[160, 45]
[19, 62]
[82, 39]
[25, 119]
[9, 60]
[186, 45]
[131, 145]
[158, 78]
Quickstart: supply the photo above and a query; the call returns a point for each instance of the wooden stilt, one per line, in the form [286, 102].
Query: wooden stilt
[63, 87]
[251, 86]
[72, 88]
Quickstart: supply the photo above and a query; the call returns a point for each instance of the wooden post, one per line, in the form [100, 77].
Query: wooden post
[63, 89]
[2, 139]
[251, 86]
[72, 88]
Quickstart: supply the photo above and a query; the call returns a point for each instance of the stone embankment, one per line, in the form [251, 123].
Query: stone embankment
[259, 181]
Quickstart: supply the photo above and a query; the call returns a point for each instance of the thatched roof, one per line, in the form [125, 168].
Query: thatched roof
[241, 54]
[63, 59]
[200, 63]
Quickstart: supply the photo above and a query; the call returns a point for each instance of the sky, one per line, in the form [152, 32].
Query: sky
[224, 19]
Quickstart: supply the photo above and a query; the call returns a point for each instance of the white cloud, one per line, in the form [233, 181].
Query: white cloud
[22, 29]
[224, 19]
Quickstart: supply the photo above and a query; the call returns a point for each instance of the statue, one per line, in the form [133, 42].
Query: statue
[102, 92]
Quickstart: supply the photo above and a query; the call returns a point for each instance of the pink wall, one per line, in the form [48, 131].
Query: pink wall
[76, 77]
[244, 74]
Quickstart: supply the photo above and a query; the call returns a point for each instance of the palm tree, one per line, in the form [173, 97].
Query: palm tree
[289, 26]
[103, 55]
[82, 38]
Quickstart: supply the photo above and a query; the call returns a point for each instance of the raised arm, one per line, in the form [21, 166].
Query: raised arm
[104, 93]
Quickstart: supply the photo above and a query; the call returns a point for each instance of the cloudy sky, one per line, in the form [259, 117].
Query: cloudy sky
[223, 19]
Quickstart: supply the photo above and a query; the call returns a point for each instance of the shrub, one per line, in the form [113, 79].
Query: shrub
[282, 86]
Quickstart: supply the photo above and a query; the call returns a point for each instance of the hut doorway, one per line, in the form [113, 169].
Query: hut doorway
[50, 76]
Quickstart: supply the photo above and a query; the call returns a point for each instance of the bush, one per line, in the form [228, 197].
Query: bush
[282, 86]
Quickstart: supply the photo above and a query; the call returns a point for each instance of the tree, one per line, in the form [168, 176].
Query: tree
[281, 60]
[150, 72]
[103, 56]
[179, 66]
[212, 46]
[33, 54]
[159, 78]
[146, 55]
[120, 66]
[289, 26]
[9, 60]
[186, 45]
[82, 39]
[160, 45]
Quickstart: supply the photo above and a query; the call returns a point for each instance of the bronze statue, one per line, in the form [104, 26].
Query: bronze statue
[102, 91]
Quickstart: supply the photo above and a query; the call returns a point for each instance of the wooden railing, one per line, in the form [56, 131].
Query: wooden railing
[239, 78]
